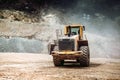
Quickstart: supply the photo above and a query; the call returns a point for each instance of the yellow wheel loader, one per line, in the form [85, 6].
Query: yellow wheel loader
[72, 46]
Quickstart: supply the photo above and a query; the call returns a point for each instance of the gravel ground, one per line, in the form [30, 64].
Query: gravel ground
[19, 66]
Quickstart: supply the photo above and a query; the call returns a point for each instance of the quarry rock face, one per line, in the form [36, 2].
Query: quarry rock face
[18, 44]
[18, 36]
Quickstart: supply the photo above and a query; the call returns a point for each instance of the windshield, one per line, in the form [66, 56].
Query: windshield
[74, 30]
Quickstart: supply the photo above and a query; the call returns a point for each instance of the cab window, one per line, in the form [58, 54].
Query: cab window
[74, 30]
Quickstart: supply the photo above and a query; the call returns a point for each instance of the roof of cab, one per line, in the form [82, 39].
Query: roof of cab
[74, 25]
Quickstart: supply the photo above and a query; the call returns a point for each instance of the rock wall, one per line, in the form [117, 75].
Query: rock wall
[17, 44]
[18, 36]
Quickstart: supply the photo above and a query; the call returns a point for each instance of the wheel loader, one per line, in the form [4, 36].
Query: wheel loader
[72, 46]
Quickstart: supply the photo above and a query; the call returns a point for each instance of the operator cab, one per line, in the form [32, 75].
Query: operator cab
[73, 30]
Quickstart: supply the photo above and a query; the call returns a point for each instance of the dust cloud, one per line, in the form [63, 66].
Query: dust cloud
[102, 30]
[103, 36]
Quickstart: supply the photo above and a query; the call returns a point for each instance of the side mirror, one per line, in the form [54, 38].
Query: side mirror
[83, 28]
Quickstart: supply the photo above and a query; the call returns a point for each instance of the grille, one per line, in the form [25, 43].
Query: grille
[66, 44]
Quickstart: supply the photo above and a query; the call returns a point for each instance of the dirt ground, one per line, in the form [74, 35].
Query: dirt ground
[18, 66]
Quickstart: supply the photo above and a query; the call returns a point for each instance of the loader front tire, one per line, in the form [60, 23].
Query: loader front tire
[57, 61]
[85, 57]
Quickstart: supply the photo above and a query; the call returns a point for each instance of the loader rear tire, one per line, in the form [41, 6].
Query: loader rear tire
[85, 57]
